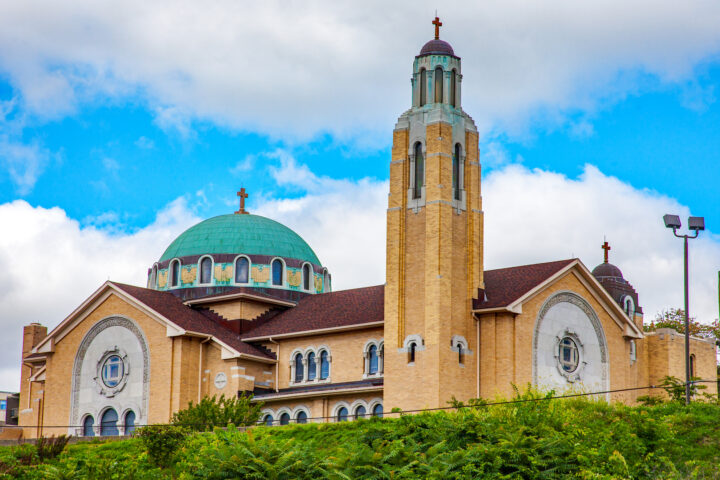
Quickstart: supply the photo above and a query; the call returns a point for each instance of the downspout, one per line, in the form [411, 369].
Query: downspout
[277, 364]
[200, 367]
[477, 355]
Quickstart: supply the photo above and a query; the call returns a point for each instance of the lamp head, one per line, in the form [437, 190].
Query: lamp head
[672, 221]
[696, 223]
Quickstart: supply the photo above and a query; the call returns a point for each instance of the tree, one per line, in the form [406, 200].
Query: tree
[213, 412]
[675, 318]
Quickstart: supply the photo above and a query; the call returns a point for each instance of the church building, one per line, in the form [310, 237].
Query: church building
[240, 304]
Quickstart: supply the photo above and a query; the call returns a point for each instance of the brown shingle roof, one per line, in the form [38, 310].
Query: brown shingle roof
[187, 318]
[505, 285]
[344, 308]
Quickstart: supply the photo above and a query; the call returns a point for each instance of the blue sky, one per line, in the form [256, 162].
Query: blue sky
[122, 124]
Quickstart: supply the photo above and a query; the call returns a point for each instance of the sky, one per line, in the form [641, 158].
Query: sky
[122, 124]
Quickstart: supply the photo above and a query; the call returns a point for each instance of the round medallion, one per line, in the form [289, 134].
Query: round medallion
[220, 381]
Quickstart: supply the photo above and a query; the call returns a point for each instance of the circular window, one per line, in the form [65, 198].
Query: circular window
[568, 355]
[113, 370]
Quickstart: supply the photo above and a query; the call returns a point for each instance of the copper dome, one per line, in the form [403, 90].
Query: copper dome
[437, 47]
[607, 270]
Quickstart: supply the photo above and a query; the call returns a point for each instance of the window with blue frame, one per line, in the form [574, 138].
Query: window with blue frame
[277, 272]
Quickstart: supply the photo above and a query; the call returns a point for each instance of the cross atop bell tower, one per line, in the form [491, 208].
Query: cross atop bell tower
[437, 24]
[606, 246]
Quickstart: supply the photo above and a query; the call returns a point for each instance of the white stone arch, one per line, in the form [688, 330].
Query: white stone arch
[629, 306]
[199, 270]
[98, 401]
[306, 362]
[264, 413]
[373, 403]
[311, 277]
[567, 314]
[298, 409]
[337, 407]
[358, 403]
[318, 352]
[121, 417]
[171, 277]
[378, 344]
[80, 428]
[250, 263]
[283, 276]
[293, 356]
[280, 412]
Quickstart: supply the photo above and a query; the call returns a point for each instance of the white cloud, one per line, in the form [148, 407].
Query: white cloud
[51, 263]
[23, 162]
[298, 69]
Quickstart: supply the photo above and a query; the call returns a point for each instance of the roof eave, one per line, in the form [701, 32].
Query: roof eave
[319, 331]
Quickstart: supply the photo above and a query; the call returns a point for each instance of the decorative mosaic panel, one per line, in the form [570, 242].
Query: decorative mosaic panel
[162, 278]
[188, 274]
[318, 283]
[260, 274]
[223, 273]
[294, 277]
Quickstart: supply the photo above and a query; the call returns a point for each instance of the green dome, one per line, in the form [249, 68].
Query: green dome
[236, 234]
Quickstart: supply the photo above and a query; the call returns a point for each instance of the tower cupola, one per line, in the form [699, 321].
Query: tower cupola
[436, 74]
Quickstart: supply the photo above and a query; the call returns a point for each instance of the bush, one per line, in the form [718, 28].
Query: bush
[213, 412]
[162, 442]
[49, 448]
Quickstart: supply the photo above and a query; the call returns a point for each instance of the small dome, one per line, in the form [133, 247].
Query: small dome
[607, 270]
[437, 47]
[236, 234]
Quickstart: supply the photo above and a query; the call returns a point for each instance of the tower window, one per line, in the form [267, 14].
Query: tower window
[206, 270]
[460, 354]
[439, 85]
[411, 352]
[453, 87]
[419, 170]
[299, 374]
[312, 371]
[174, 273]
[242, 270]
[277, 272]
[423, 87]
[324, 365]
[307, 273]
[456, 172]
[153, 277]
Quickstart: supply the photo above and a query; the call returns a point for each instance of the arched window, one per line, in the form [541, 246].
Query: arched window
[174, 273]
[439, 77]
[342, 414]
[301, 417]
[423, 87]
[153, 277]
[460, 354]
[456, 172]
[307, 275]
[129, 422]
[242, 270]
[206, 270]
[299, 374]
[633, 351]
[629, 306]
[88, 430]
[692, 366]
[360, 412]
[419, 171]
[453, 87]
[268, 420]
[324, 365]
[372, 360]
[277, 272]
[411, 352]
[285, 418]
[108, 423]
[377, 410]
[312, 370]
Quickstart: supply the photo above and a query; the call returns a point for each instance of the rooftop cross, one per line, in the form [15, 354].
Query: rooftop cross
[437, 24]
[242, 196]
[606, 247]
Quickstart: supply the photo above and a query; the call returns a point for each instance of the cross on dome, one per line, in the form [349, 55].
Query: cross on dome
[437, 24]
[242, 196]
[606, 246]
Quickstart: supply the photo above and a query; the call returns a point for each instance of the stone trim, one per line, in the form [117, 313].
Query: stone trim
[113, 321]
[582, 304]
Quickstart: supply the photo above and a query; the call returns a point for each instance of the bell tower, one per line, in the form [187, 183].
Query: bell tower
[434, 240]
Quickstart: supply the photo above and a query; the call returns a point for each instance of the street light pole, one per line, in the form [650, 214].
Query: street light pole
[695, 224]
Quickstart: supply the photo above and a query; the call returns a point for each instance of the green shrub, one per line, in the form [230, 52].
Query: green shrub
[162, 442]
[213, 412]
[49, 448]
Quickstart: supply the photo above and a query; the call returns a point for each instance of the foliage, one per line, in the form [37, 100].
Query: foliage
[49, 448]
[675, 318]
[162, 442]
[532, 437]
[675, 387]
[213, 412]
